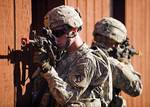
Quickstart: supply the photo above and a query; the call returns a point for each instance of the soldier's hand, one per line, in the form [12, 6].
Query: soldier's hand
[124, 60]
[40, 58]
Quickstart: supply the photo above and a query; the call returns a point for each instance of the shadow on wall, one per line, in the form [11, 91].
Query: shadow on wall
[23, 70]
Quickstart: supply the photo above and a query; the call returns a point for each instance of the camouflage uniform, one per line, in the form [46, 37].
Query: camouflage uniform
[124, 76]
[79, 82]
[80, 77]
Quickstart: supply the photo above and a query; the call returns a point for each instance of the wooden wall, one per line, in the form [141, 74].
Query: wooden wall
[6, 39]
[138, 24]
[40, 8]
[14, 24]
[91, 12]
[22, 22]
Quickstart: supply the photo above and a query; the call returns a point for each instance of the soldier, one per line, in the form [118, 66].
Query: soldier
[108, 34]
[79, 77]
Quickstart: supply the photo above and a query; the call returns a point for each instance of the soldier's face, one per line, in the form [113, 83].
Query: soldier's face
[111, 43]
[60, 35]
[64, 38]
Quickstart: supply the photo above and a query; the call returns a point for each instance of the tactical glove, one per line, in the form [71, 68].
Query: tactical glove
[40, 58]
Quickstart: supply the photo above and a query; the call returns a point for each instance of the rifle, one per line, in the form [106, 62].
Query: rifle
[22, 59]
[42, 41]
[124, 52]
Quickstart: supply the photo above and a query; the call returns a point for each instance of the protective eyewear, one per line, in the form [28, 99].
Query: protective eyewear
[60, 31]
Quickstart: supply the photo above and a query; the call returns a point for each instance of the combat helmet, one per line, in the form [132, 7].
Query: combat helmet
[61, 16]
[111, 28]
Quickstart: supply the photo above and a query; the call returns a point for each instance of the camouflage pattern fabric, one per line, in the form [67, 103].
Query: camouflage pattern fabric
[107, 86]
[108, 34]
[110, 28]
[61, 15]
[79, 80]
[124, 77]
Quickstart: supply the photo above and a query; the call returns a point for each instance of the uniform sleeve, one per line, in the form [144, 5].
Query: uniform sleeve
[126, 78]
[77, 81]
[80, 76]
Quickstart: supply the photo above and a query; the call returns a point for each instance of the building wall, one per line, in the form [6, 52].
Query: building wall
[6, 39]
[40, 8]
[138, 25]
[14, 25]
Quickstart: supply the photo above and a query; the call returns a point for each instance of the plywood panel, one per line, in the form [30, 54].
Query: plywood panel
[6, 40]
[40, 8]
[23, 20]
[72, 2]
[138, 25]
[81, 7]
[89, 21]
